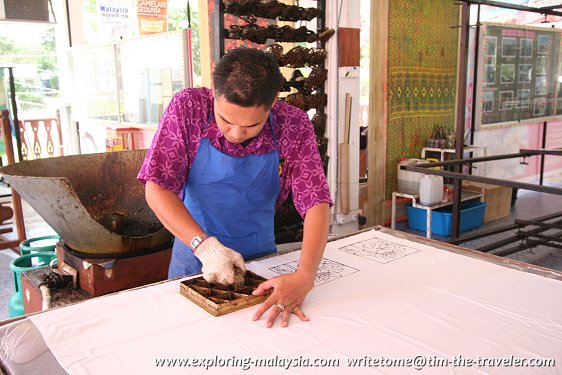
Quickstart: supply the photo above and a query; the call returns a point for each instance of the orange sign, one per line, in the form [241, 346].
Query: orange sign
[152, 16]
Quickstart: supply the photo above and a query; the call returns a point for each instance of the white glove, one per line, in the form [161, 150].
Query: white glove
[221, 265]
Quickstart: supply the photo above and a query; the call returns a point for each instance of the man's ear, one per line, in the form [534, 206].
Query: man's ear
[275, 100]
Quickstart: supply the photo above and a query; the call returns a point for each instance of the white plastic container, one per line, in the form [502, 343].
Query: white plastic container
[431, 189]
[409, 182]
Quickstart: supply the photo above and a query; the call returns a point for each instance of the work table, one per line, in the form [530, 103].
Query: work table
[380, 295]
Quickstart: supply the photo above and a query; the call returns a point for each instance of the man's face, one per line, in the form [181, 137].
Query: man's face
[237, 123]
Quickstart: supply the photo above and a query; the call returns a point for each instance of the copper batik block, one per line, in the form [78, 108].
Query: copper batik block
[220, 299]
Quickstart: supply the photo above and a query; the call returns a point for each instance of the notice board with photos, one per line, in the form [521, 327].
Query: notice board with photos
[518, 75]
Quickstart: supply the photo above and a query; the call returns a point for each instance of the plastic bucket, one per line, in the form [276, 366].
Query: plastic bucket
[409, 182]
[431, 189]
[25, 263]
[27, 248]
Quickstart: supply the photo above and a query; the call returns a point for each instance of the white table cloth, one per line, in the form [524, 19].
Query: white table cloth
[377, 296]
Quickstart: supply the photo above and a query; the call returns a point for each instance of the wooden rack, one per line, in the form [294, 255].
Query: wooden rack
[288, 223]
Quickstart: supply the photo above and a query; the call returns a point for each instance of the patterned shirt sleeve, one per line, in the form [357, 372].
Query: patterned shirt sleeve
[176, 141]
[304, 172]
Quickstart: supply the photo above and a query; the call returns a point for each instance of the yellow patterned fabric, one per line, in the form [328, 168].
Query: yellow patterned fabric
[422, 61]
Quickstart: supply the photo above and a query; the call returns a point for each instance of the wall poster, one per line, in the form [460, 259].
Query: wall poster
[519, 75]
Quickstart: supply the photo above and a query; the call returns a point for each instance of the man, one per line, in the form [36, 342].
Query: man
[213, 177]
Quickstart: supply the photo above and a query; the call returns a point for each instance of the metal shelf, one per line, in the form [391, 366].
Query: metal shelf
[466, 195]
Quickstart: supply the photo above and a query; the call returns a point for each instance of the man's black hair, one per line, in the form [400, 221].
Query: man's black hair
[248, 77]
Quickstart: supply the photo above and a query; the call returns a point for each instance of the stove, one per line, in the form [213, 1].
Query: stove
[111, 239]
[78, 277]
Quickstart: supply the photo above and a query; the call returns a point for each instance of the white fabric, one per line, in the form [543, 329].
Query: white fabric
[377, 295]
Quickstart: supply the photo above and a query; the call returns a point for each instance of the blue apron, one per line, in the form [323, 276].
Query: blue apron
[233, 199]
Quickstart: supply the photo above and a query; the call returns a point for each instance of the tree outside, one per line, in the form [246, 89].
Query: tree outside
[31, 50]
[177, 20]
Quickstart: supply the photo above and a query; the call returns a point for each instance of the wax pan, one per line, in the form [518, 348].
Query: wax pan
[219, 299]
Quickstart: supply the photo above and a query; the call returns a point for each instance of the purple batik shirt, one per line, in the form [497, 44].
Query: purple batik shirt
[182, 126]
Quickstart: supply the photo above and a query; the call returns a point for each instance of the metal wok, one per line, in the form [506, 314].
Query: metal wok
[94, 201]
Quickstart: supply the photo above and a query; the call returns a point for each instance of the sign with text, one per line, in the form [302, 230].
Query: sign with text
[114, 18]
[152, 16]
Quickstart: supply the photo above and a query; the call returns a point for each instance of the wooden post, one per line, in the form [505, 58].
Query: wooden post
[376, 141]
[16, 199]
[344, 177]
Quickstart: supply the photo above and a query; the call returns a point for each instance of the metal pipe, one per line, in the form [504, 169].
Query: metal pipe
[500, 243]
[544, 127]
[68, 24]
[548, 239]
[535, 243]
[15, 112]
[518, 224]
[188, 15]
[460, 115]
[486, 233]
[547, 217]
[499, 4]
[552, 7]
[538, 224]
[474, 160]
[519, 236]
[475, 79]
[529, 244]
[220, 30]
[486, 180]
[511, 250]
[543, 151]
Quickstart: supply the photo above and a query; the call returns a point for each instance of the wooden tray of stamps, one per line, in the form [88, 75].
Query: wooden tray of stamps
[219, 299]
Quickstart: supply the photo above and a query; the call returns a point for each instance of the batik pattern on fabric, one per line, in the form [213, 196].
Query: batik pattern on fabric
[422, 60]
